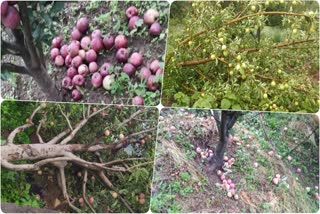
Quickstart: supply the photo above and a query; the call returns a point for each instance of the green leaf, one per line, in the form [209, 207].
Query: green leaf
[225, 104]
[57, 7]
[139, 23]
[6, 75]
[236, 107]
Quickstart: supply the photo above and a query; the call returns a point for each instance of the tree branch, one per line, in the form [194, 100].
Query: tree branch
[14, 68]
[264, 13]
[38, 133]
[84, 184]
[12, 48]
[29, 44]
[65, 116]
[19, 129]
[279, 46]
[131, 117]
[80, 125]
[58, 137]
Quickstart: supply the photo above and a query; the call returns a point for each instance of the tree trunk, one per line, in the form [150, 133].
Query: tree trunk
[228, 119]
[46, 84]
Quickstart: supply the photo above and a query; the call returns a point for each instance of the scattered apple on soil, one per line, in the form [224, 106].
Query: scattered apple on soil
[80, 55]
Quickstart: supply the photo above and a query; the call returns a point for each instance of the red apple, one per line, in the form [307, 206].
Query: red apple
[144, 74]
[85, 43]
[132, 22]
[150, 16]
[83, 70]
[97, 44]
[93, 67]
[96, 80]
[54, 53]
[76, 61]
[108, 42]
[78, 80]
[131, 11]
[136, 59]
[151, 84]
[104, 69]
[83, 24]
[4, 8]
[64, 51]
[129, 69]
[91, 55]
[138, 100]
[155, 29]
[59, 61]
[76, 94]
[66, 82]
[120, 41]
[71, 72]
[96, 34]
[122, 55]
[76, 34]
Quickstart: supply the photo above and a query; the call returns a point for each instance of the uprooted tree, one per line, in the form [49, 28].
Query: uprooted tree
[60, 144]
[28, 27]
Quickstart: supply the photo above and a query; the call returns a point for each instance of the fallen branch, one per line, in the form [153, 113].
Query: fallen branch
[38, 133]
[84, 184]
[19, 129]
[66, 117]
[80, 125]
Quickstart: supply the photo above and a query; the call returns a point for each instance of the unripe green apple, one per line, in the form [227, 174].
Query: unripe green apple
[281, 87]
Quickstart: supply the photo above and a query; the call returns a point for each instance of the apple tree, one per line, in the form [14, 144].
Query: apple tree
[255, 55]
[27, 28]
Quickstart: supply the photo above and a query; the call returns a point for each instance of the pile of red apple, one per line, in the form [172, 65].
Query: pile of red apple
[149, 19]
[228, 185]
[81, 54]
[205, 154]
